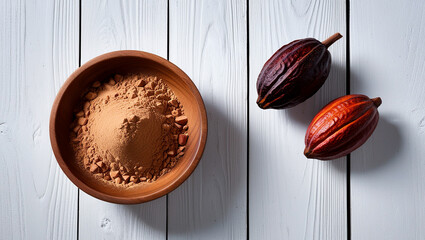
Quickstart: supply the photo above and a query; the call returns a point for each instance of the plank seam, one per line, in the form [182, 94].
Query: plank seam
[168, 58]
[79, 65]
[347, 91]
[247, 121]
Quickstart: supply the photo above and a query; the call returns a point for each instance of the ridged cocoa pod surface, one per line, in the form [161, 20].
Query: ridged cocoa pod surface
[341, 127]
[294, 73]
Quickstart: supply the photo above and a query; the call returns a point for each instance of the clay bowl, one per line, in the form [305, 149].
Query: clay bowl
[123, 62]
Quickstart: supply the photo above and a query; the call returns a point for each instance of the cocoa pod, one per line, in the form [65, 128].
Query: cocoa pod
[294, 73]
[341, 127]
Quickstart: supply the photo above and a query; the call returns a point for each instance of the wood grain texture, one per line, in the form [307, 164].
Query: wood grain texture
[108, 26]
[388, 172]
[39, 48]
[208, 41]
[291, 197]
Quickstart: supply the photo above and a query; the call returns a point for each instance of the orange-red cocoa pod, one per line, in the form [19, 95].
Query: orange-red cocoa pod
[341, 127]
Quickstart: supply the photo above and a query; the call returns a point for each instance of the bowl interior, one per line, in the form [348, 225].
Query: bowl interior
[100, 69]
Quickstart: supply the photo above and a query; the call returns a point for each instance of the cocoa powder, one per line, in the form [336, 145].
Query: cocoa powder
[129, 129]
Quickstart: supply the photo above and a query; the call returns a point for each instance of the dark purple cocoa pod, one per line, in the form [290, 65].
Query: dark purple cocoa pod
[294, 73]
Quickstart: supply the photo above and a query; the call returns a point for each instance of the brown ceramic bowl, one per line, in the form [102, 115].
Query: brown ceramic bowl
[124, 62]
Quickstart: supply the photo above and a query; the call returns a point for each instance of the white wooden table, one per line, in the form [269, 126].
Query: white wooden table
[253, 181]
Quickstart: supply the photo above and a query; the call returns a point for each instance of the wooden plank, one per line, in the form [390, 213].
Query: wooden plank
[388, 172]
[39, 49]
[109, 26]
[291, 197]
[208, 41]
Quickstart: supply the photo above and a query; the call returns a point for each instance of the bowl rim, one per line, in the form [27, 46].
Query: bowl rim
[136, 199]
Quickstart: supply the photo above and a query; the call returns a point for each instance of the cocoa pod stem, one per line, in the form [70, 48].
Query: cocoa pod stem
[328, 42]
[377, 101]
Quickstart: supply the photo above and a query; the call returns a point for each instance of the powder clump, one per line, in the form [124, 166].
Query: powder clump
[130, 129]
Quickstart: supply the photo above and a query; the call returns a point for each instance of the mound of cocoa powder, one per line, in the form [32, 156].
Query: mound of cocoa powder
[129, 129]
